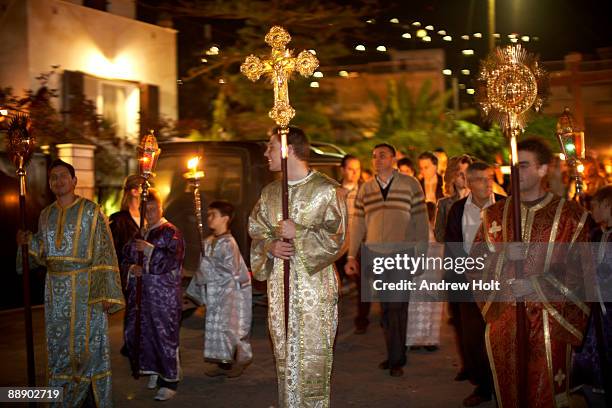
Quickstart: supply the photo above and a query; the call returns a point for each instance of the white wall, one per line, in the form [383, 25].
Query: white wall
[83, 39]
[104, 45]
[13, 46]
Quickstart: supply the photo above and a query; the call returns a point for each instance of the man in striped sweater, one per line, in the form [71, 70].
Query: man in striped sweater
[390, 208]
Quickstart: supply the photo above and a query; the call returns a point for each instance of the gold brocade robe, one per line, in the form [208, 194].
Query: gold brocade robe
[555, 314]
[304, 357]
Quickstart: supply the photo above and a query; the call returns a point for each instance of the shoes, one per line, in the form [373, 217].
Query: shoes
[461, 376]
[474, 400]
[152, 384]
[236, 370]
[396, 372]
[414, 348]
[384, 365]
[431, 348]
[360, 330]
[164, 394]
[216, 370]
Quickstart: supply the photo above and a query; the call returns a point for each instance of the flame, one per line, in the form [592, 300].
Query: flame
[192, 164]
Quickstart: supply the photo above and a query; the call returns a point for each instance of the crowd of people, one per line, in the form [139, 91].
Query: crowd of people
[466, 202]
[95, 267]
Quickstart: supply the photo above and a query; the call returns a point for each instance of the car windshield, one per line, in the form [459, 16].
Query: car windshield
[222, 181]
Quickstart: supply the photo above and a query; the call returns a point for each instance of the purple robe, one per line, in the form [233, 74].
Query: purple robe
[587, 369]
[161, 301]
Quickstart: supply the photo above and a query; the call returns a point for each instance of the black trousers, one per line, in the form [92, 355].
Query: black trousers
[167, 384]
[363, 308]
[472, 337]
[394, 322]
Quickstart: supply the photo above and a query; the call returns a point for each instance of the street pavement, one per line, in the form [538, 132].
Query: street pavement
[356, 380]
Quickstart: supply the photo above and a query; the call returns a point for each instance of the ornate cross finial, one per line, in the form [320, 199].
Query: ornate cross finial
[279, 68]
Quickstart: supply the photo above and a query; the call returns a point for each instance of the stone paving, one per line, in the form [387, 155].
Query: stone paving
[356, 381]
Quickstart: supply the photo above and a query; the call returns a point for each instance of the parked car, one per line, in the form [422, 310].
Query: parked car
[235, 171]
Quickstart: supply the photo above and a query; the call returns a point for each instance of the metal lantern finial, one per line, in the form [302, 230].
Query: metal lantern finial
[148, 153]
[20, 140]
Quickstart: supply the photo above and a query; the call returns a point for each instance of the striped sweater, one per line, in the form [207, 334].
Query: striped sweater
[401, 217]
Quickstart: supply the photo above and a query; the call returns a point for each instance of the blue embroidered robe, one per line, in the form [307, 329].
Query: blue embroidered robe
[76, 246]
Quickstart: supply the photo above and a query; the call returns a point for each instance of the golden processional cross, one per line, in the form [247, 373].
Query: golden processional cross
[279, 68]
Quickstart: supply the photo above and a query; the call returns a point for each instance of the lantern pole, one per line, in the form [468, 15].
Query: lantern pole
[21, 146]
[148, 153]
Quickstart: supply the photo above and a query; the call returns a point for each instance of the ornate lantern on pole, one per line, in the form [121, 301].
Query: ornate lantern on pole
[193, 176]
[21, 144]
[148, 153]
[572, 145]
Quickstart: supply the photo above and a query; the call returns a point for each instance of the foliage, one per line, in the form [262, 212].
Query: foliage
[218, 93]
[81, 124]
[544, 126]
[413, 120]
[481, 143]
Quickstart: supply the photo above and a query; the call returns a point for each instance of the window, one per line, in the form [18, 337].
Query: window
[118, 102]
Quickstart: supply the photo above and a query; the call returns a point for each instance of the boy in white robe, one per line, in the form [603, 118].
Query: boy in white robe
[228, 296]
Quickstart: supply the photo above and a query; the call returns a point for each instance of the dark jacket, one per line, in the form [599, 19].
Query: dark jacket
[453, 237]
[439, 187]
[124, 228]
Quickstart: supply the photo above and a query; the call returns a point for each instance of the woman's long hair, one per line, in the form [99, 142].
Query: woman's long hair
[451, 172]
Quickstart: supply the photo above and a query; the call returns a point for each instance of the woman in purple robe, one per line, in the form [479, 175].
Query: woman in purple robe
[160, 306]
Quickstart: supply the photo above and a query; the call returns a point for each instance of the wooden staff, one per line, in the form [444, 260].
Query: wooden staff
[279, 67]
[521, 310]
[148, 153]
[194, 176]
[21, 146]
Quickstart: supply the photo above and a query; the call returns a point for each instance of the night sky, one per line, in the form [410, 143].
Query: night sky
[562, 26]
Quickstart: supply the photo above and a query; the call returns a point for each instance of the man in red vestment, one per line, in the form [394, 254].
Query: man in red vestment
[551, 283]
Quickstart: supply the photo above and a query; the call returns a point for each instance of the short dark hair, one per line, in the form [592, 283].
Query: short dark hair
[153, 195]
[430, 156]
[439, 150]
[603, 195]
[346, 159]
[224, 208]
[538, 147]
[296, 138]
[387, 145]
[478, 166]
[60, 163]
[405, 161]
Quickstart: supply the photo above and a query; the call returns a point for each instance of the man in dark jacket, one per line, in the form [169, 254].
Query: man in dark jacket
[462, 224]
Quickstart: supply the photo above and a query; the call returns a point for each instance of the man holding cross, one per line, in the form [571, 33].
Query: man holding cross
[311, 239]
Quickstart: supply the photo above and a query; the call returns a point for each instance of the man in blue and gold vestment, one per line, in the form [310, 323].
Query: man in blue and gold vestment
[74, 243]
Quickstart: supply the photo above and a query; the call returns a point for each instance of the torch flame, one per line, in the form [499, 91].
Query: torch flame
[192, 164]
